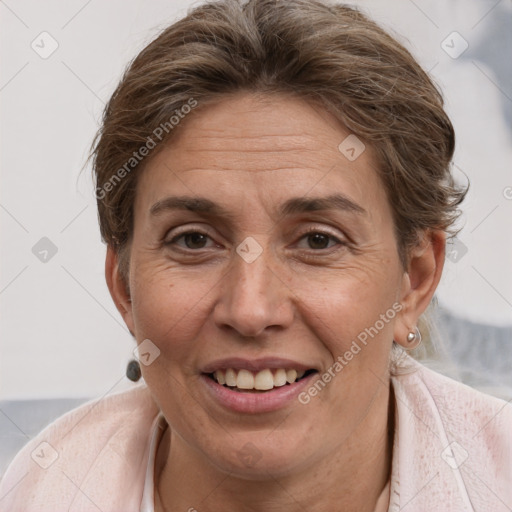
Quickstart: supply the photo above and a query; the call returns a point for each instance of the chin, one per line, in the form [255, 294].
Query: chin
[263, 454]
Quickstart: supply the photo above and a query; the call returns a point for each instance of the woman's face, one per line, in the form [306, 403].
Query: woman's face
[284, 258]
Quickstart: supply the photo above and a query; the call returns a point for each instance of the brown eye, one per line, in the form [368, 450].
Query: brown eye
[318, 240]
[192, 239]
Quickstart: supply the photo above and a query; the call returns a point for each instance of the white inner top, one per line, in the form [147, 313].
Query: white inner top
[148, 499]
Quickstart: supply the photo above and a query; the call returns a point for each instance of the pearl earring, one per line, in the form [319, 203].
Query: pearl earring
[413, 339]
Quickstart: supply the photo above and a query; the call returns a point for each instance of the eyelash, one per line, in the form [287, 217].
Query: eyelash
[309, 231]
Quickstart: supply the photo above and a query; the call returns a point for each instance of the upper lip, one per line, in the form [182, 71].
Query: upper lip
[255, 365]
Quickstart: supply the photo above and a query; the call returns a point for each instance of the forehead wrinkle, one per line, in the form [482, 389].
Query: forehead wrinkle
[256, 160]
[251, 171]
[256, 143]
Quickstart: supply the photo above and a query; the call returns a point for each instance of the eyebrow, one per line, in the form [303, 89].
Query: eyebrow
[291, 206]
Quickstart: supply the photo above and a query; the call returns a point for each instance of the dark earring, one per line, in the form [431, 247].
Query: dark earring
[133, 370]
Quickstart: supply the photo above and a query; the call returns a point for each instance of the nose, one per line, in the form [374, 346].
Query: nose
[253, 298]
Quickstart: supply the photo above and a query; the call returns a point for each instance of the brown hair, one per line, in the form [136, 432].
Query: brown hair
[328, 53]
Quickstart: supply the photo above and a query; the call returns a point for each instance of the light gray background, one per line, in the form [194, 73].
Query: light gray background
[61, 335]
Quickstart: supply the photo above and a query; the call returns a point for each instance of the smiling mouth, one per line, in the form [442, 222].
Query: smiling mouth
[245, 381]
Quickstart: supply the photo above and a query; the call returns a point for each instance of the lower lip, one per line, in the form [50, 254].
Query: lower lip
[254, 403]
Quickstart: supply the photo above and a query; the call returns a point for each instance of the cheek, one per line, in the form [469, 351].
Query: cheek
[357, 335]
[170, 307]
[350, 301]
[354, 320]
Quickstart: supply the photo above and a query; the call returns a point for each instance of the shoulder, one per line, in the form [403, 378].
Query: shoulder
[82, 455]
[457, 433]
[453, 398]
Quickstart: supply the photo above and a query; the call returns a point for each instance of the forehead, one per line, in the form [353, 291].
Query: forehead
[273, 147]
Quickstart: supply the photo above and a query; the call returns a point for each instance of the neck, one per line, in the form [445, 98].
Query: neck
[351, 479]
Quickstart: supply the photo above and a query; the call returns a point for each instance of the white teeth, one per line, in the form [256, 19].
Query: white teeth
[261, 381]
[291, 376]
[219, 377]
[245, 380]
[230, 377]
[264, 380]
[280, 377]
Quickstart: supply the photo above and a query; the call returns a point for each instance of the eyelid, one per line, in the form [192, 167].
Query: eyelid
[325, 231]
[183, 229]
[181, 233]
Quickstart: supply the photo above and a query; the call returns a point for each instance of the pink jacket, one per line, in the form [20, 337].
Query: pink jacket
[452, 452]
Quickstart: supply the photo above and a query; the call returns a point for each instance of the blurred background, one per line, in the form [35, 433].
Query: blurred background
[62, 340]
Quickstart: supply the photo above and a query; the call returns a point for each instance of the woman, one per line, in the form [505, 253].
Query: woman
[274, 190]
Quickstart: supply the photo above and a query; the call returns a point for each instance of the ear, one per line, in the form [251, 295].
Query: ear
[118, 288]
[419, 282]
